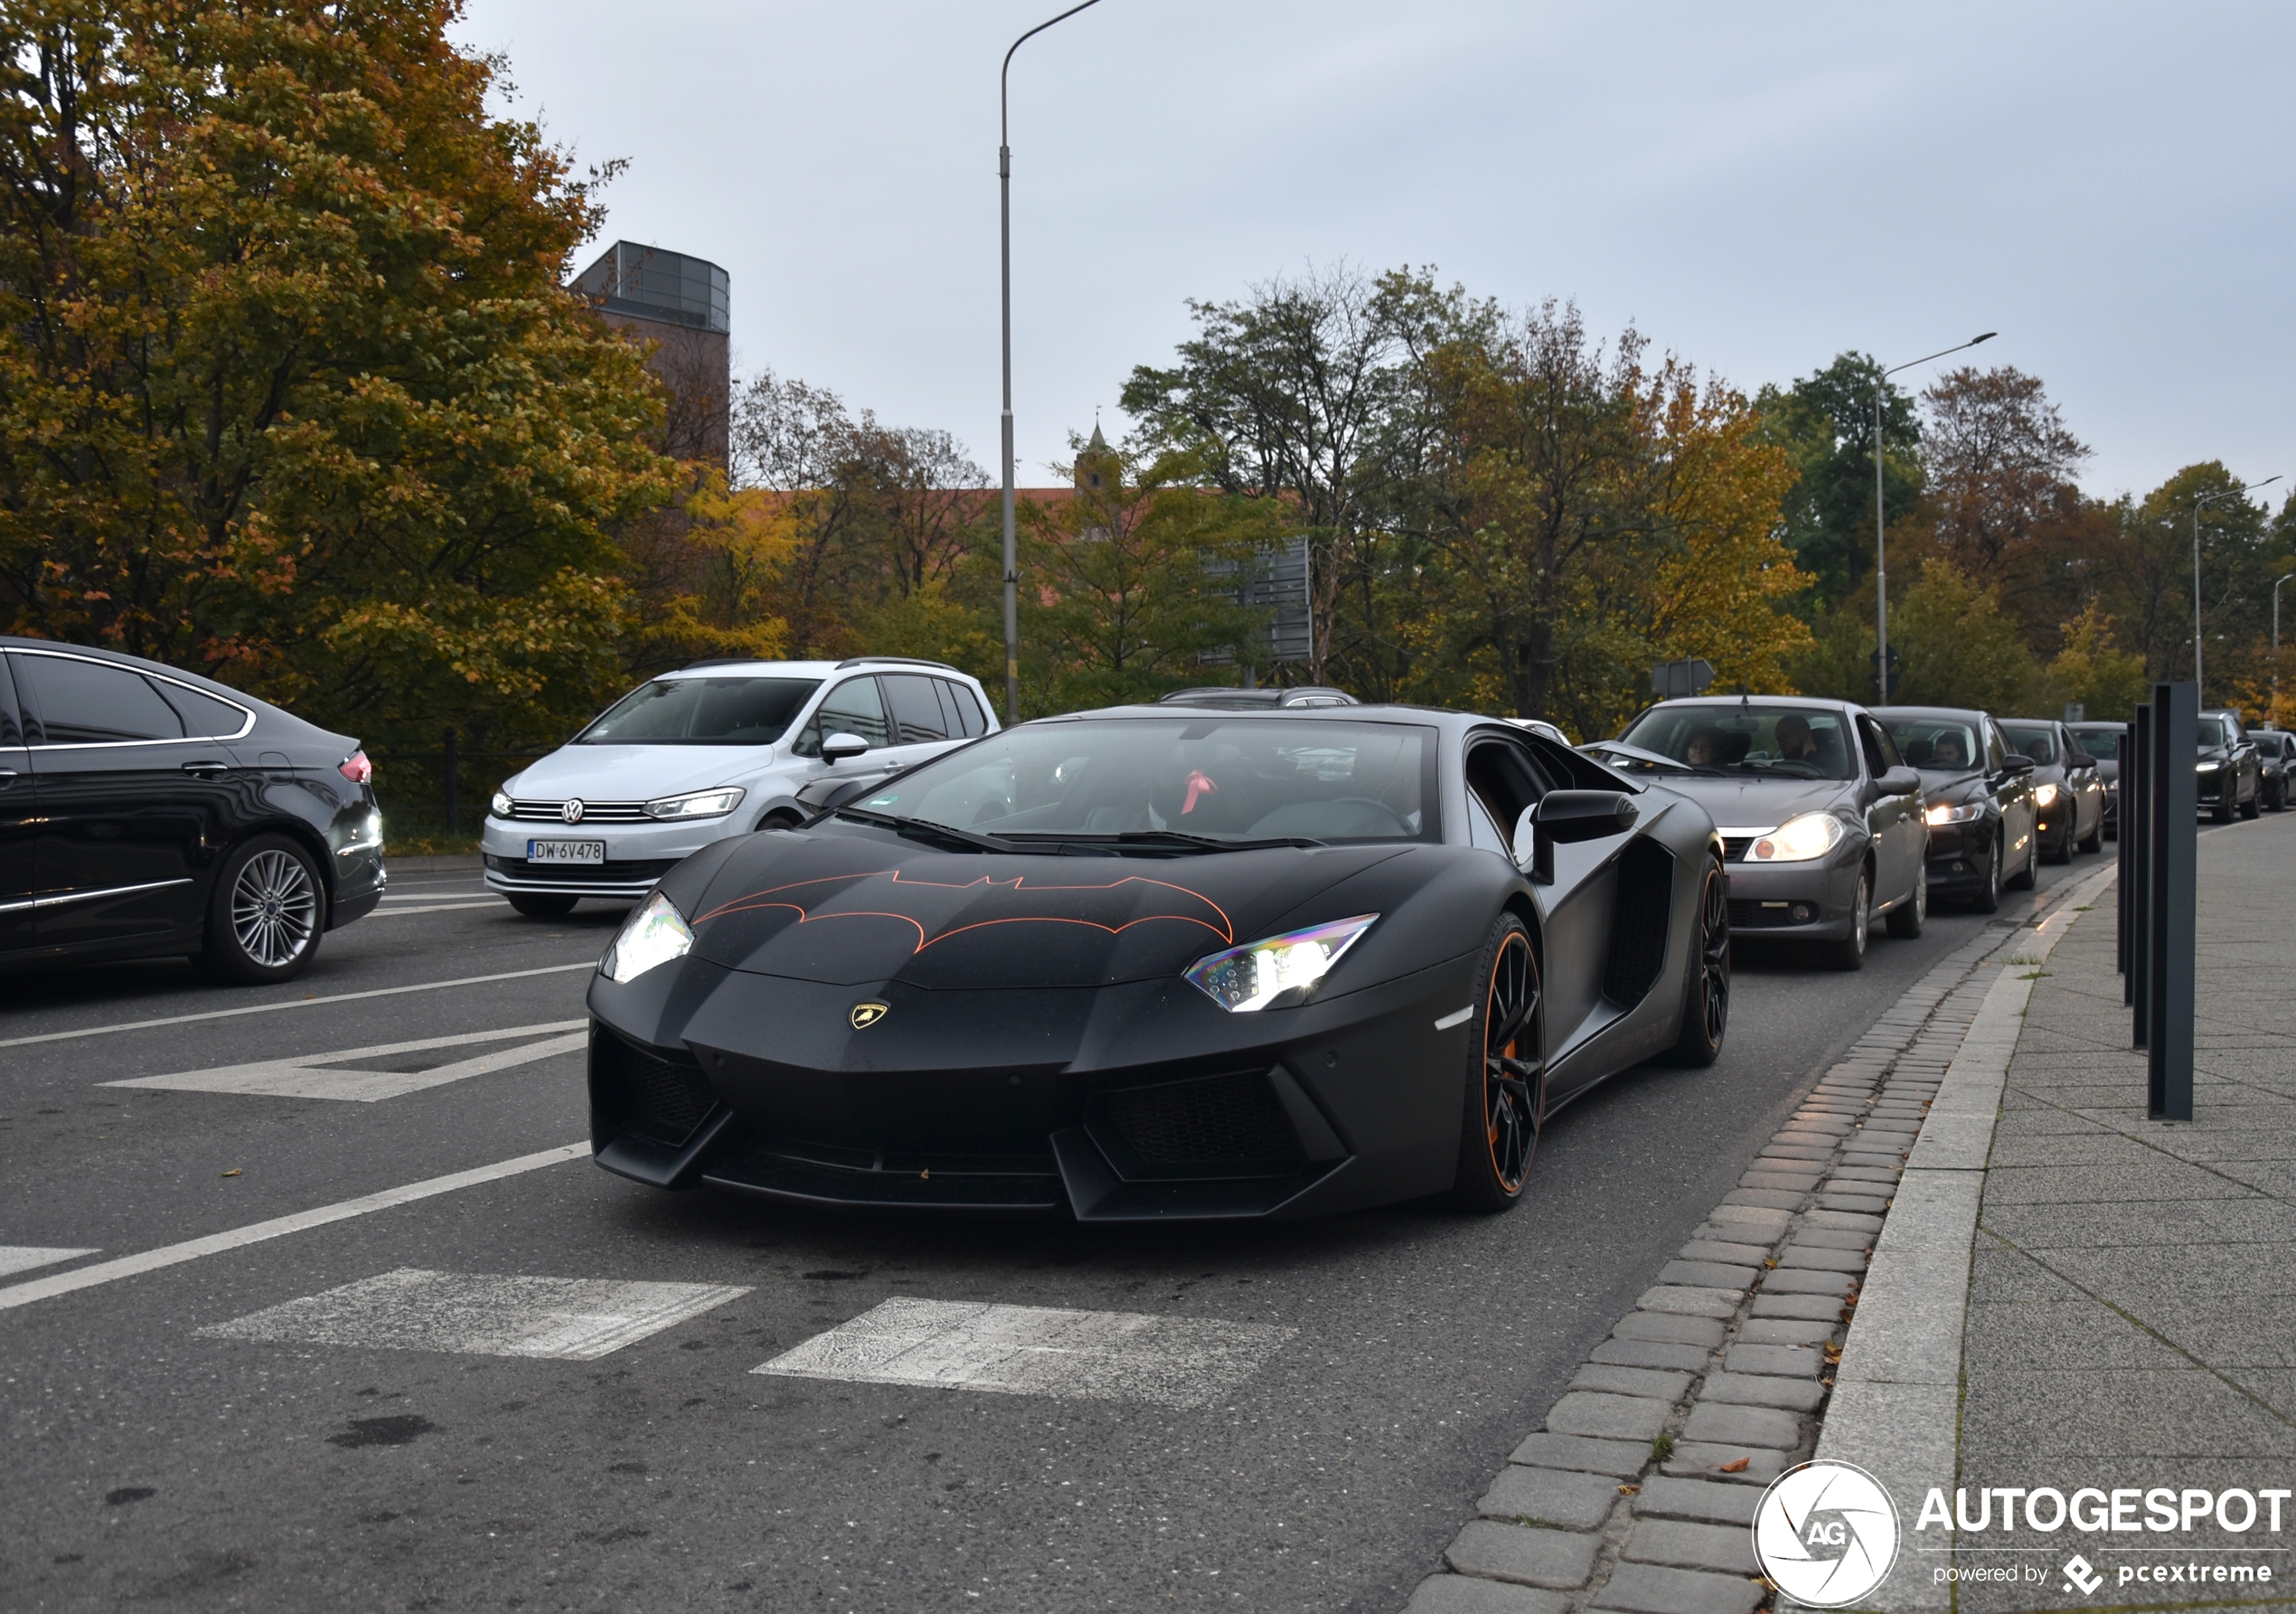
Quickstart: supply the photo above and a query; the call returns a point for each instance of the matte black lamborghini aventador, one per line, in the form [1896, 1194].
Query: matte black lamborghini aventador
[1156, 963]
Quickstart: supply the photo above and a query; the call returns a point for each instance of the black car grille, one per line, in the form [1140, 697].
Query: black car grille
[1222, 1121]
[625, 872]
[593, 812]
[661, 1098]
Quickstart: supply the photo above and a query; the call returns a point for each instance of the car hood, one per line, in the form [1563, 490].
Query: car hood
[861, 909]
[632, 772]
[1951, 786]
[1759, 803]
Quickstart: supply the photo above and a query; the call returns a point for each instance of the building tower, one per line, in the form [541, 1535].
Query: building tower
[682, 305]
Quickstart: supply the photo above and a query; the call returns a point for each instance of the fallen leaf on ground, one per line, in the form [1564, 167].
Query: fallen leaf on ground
[233, 1173]
[1737, 1467]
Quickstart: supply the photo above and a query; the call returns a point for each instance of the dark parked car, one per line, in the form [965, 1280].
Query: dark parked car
[2229, 774]
[2068, 793]
[1163, 964]
[1980, 808]
[1820, 817]
[2104, 741]
[146, 812]
[2276, 754]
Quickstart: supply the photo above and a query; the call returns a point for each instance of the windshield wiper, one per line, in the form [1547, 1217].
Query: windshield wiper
[925, 829]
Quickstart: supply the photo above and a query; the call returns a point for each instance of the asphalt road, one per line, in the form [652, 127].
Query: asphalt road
[303, 1464]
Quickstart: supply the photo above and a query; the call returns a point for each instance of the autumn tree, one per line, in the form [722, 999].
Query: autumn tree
[289, 390]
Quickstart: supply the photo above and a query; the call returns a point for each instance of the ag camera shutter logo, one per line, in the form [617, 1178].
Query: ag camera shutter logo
[1826, 1533]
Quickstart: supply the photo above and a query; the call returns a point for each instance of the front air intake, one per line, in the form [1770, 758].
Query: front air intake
[1214, 1125]
[660, 1096]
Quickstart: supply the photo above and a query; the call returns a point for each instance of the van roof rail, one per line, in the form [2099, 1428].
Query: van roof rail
[906, 661]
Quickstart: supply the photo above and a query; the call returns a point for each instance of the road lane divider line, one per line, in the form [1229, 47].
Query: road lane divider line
[23, 1258]
[296, 1003]
[255, 1232]
[340, 1075]
[456, 906]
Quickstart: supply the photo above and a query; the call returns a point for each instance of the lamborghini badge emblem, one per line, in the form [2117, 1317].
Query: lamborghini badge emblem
[870, 1013]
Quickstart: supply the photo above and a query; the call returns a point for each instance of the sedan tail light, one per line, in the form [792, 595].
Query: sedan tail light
[356, 768]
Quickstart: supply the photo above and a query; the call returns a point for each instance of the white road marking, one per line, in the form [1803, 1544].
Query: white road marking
[568, 1319]
[1459, 1018]
[1035, 1350]
[255, 1232]
[22, 1258]
[432, 908]
[353, 1073]
[294, 1003]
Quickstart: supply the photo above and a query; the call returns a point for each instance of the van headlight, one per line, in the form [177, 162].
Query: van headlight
[654, 933]
[1798, 839]
[1245, 979]
[501, 805]
[699, 804]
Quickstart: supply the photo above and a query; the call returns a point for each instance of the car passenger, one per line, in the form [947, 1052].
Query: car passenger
[1795, 742]
[1705, 750]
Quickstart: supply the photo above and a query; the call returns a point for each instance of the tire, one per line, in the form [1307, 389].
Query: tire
[2278, 801]
[2248, 808]
[2095, 842]
[781, 819]
[1906, 921]
[2223, 810]
[2062, 852]
[266, 913]
[1988, 897]
[1849, 952]
[1706, 996]
[2025, 878]
[541, 904]
[1506, 1087]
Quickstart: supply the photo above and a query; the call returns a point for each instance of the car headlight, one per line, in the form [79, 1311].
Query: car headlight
[2205, 767]
[1798, 839]
[699, 803]
[2045, 795]
[499, 805]
[1245, 979]
[655, 933]
[1942, 813]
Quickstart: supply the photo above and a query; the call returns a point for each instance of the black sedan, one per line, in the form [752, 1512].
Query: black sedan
[2068, 792]
[2276, 756]
[1155, 963]
[2228, 773]
[1820, 818]
[2104, 741]
[145, 812]
[1978, 796]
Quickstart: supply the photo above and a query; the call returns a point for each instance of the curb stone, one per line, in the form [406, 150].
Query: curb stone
[1729, 1360]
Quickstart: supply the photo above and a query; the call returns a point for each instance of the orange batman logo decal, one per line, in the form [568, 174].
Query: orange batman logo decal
[937, 910]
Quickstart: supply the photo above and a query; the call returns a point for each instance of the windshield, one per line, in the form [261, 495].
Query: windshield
[1940, 745]
[2102, 744]
[1229, 779]
[702, 712]
[1777, 741]
[2212, 731]
[2038, 743]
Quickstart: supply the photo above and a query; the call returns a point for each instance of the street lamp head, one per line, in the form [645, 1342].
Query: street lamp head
[1988, 337]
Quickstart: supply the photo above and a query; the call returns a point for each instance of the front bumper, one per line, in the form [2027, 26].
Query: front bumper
[637, 855]
[1142, 1101]
[1957, 854]
[1799, 901]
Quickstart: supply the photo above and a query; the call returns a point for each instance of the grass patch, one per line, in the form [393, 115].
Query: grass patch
[1662, 1449]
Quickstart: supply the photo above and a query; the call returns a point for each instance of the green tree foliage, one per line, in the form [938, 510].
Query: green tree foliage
[1825, 423]
[288, 388]
[1958, 649]
[2105, 680]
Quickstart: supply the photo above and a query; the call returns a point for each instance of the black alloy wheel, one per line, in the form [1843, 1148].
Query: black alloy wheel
[1988, 899]
[1906, 919]
[1706, 996]
[1849, 952]
[1506, 1096]
[541, 904]
[266, 914]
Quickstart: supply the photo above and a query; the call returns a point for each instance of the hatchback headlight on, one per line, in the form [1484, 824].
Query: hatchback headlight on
[1798, 839]
[2046, 795]
[1967, 813]
[499, 805]
[655, 933]
[699, 803]
[2205, 767]
[1245, 979]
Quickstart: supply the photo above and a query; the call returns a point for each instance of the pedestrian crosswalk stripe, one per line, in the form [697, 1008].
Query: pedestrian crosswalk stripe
[1035, 1350]
[23, 1258]
[569, 1320]
[363, 1075]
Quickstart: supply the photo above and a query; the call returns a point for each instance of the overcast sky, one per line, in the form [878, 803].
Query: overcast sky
[1758, 187]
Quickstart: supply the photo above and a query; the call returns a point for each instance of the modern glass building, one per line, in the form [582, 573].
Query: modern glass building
[680, 308]
[649, 283]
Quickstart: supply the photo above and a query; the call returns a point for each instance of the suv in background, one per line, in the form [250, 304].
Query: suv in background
[717, 748]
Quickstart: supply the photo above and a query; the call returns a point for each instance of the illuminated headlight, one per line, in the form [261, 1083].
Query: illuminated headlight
[2046, 795]
[655, 934]
[2205, 767]
[1245, 979]
[1942, 813]
[499, 805]
[1798, 840]
[700, 804]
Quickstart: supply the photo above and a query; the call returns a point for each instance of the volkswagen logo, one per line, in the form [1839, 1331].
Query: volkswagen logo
[572, 811]
[868, 1013]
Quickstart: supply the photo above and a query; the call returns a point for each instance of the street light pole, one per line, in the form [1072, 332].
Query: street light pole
[2210, 498]
[1004, 246]
[1881, 550]
[2275, 712]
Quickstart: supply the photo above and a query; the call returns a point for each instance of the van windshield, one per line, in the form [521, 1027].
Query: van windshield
[702, 712]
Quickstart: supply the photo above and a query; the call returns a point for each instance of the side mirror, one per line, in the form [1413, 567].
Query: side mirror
[1564, 815]
[841, 748]
[1900, 781]
[2018, 765]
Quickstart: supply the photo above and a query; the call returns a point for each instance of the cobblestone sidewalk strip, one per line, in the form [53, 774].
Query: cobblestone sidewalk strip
[1636, 1492]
